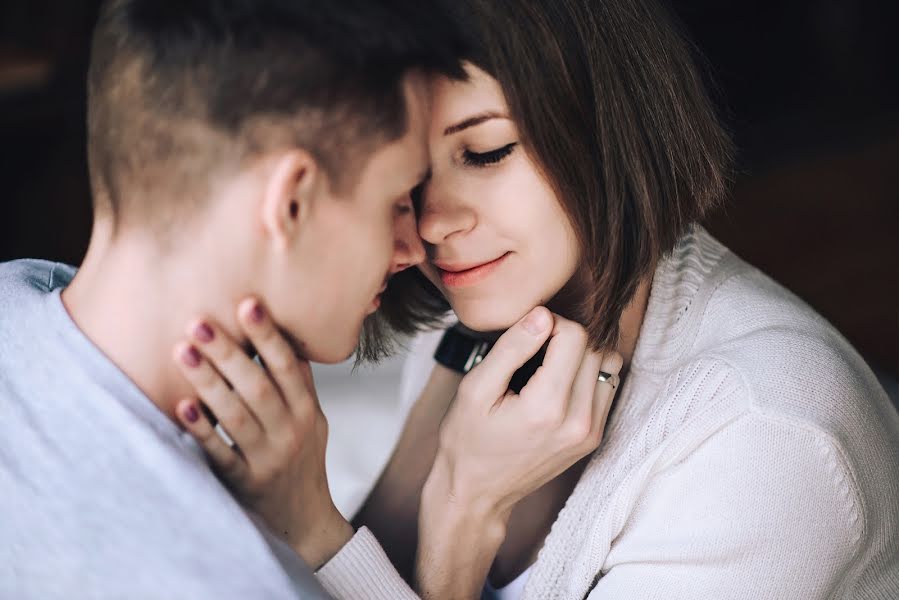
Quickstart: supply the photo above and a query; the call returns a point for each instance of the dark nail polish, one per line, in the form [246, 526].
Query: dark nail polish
[204, 333]
[257, 314]
[191, 357]
[191, 414]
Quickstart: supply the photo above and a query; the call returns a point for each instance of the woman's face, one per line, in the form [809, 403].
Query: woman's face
[498, 240]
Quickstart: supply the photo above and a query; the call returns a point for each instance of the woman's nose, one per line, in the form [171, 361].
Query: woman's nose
[443, 217]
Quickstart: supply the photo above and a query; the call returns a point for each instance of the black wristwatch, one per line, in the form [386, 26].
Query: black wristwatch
[461, 352]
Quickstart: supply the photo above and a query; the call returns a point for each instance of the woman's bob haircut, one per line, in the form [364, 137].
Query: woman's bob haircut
[610, 104]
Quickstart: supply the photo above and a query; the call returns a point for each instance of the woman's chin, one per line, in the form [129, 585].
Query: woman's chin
[488, 319]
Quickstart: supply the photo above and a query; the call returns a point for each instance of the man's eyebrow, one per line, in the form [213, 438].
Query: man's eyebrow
[472, 121]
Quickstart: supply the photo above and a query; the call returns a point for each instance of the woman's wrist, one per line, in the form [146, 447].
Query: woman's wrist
[324, 539]
[449, 490]
[459, 536]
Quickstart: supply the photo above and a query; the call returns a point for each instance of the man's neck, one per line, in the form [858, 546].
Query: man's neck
[134, 304]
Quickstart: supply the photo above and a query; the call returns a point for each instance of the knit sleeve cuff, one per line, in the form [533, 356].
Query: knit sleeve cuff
[362, 571]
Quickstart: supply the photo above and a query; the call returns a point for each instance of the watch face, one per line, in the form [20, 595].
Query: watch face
[477, 354]
[459, 351]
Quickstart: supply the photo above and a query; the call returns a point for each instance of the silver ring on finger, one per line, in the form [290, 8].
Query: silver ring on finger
[610, 378]
[220, 431]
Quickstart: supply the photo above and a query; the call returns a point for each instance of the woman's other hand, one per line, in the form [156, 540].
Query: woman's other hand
[276, 464]
[496, 447]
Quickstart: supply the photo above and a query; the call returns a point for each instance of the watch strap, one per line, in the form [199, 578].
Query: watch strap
[461, 352]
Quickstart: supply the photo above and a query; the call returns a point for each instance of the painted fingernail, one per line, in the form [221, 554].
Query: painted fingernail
[536, 322]
[204, 333]
[257, 314]
[191, 414]
[190, 356]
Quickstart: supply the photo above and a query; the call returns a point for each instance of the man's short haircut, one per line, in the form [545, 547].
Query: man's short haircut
[609, 101]
[184, 92]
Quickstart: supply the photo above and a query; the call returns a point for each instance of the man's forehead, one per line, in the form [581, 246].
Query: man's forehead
[418, 104]
[417, 91]
[404, 162]
[414, 144]
[416, 161]
[417, 95]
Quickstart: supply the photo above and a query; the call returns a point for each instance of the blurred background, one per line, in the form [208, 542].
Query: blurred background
[810, 89]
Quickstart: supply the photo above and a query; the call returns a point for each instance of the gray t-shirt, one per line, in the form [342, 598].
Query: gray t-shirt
[101, 495]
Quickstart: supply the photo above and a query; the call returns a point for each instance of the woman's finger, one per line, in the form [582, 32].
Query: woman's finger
[605, 393]
[226, 406]
[226, 459]
[250, 381]
[291, 373]
[564, 355]
[581, 405]
[514, 347]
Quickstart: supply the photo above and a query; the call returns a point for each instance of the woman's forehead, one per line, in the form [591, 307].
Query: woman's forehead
[454, 100]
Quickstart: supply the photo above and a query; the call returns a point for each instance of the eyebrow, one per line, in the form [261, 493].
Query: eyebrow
[472, 121]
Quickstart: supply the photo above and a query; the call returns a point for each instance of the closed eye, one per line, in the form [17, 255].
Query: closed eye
[484, 159]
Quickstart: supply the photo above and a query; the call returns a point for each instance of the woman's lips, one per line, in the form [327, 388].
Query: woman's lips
[452, 276]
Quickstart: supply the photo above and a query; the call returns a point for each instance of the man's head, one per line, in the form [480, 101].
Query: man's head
[278, 137]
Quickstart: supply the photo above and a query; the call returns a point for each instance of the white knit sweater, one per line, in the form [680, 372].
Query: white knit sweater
[751, 453]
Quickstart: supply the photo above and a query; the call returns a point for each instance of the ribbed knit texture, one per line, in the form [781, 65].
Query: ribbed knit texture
[361, 571]
[750, 453]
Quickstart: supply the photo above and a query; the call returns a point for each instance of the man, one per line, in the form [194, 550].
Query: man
[236, 148]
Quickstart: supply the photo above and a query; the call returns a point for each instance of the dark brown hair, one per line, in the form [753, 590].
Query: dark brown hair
[182, 92]
[609, 101]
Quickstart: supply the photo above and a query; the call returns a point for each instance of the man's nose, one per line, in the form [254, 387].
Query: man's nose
[408, 249]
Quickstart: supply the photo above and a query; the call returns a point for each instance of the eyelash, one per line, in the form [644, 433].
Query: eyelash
[485, 159]
[471, 159]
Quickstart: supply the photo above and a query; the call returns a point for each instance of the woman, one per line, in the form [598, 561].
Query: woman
[751, 452]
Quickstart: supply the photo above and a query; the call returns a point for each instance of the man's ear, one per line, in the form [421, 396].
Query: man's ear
[292, 183]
